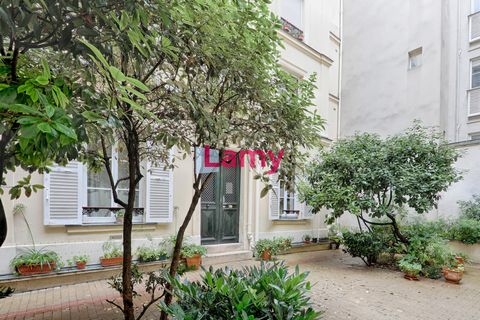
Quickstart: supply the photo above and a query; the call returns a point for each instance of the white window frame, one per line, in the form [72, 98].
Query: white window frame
[472, 7]
[112, 218]
[418, 52]
[284, 195]
[302, 15]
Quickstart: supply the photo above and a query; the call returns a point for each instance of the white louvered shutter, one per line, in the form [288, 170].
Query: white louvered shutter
[63, 194]
[274, 198]
[159, 206]
[474, 26]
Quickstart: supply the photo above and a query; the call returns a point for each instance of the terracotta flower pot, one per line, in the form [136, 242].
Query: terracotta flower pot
[266, 255]
[194, 262]
[36, 269]
[107, 262]
[411, 277]
[80, 265]
[453, 276]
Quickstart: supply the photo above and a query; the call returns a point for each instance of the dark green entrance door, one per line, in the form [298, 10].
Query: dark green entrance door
[220, 204]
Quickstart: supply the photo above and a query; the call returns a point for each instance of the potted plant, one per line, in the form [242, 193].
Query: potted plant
[112, 255]
[193, 255]
[34, 261]
[410, 267]
[119, 216]
[79, 261]
[286, 243]
[306, 238]
[453, 272]
[314, 240]
[265, 249]
[151, 253]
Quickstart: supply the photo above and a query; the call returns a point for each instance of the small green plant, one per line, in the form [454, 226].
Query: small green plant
[269, 291]
[274, 246]
[191, 250]
[78, 259]
[111, 250]
[32, 257]
[307, 238]
[409, 265]
[151, 253]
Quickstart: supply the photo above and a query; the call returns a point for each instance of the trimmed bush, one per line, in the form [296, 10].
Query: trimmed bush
[265, 292]
[466, 230]
[364, 245]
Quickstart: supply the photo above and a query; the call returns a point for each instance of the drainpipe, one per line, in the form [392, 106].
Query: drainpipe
[257, 210]
[250, 209]
[340, 64]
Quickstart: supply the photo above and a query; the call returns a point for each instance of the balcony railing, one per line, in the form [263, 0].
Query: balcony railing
[292, 30]
[474, 102]
[474, 26]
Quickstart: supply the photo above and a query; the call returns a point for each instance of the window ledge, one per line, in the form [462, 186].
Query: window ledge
[108, 227]
[289, 221]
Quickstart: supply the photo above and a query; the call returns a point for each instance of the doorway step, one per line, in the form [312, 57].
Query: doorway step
[224, 253]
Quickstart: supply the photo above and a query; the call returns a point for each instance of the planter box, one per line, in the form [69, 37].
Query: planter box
[36, 269]
[107, 262]
[471, 250]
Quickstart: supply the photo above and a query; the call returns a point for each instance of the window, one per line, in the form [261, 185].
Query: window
[475, 6]
[100, 203]
[475, 80]
[287, 204]
[475, 136]
[415, 58]
[292, 11]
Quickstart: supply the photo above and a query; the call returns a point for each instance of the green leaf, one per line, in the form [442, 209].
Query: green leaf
[96, 52]
[22, 108]
[138, 84]
[42, 80]
[116, 73]
[44, 127]
[50, 110]
[69, 132]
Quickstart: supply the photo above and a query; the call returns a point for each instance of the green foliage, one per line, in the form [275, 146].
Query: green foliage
[470, 209]
[265, 292]
[34, 256]
[408, 265]
[364, 245]
[274, 246]
[111, 250]
[191, 250]
[151, 253]
[466, 231]
[368, 175]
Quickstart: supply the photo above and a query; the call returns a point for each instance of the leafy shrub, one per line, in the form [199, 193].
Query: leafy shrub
[265, 292]
[34, 256]
[470, 209]
[364, 245]
[410, 266]
[466, 230]
[191, 250]
[78, 259]
[274, 246]
[151, 253]
[437, 228]
[111, 250]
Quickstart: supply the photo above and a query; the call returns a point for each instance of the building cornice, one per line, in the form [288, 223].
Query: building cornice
[303, 47]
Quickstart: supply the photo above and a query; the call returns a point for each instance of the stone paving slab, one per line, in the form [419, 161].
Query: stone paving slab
[343, 287]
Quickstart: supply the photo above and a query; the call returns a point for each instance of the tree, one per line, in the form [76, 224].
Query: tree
[372, 177]
[225, 89]
[31, 32]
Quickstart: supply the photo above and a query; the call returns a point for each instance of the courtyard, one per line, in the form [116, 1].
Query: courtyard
[343, 287]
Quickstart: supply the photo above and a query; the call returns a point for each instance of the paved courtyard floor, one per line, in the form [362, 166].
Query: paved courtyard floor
[343, 288]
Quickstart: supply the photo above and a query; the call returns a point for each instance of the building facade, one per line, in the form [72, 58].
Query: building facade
[75, 213]
[416, 59]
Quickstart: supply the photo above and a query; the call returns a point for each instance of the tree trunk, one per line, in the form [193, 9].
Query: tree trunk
[178, 243]
[3, 224]
[396, 229]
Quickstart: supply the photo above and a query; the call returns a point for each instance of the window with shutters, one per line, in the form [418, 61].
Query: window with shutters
[474, 21]
[101, 207]
[285, 204]
[292, 11]
[474, 92]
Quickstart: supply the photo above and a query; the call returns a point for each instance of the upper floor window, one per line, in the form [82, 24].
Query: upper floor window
[415, 58]
[475, 80]
[475, 6]
[292, 11]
